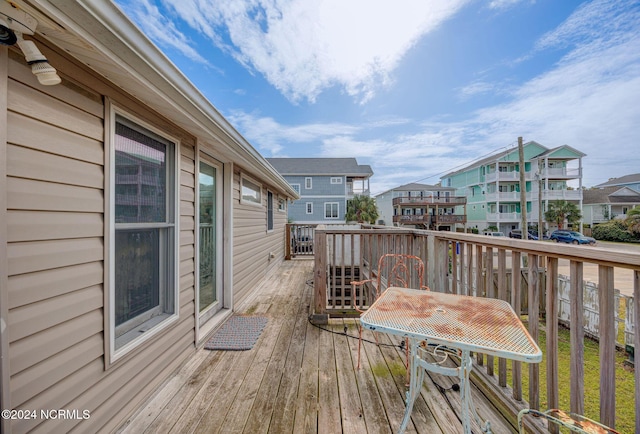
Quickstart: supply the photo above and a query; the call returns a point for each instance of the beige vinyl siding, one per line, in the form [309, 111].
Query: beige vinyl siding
[251, 241]
[55, 255]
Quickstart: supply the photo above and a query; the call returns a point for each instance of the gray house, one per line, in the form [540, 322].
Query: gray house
[604, 204]
[632, 181]
[134, 217]
[324, 186]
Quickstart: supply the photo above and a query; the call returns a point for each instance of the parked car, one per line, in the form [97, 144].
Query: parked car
[517, 233]
[495, 234]
[572, 237]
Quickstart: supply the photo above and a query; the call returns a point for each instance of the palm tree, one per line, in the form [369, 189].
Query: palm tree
[633, 220]
[361, 209]
[561, 210]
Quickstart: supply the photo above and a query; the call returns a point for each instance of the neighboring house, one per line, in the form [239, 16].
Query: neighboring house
[492, 185]
[422, 206]
[324, 186]
[632, 181]
[603, 204]
[134, 218]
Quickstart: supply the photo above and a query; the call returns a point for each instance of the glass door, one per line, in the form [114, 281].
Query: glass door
[209, 240]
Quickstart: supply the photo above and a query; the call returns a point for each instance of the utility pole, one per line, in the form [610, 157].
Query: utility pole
[523, 193]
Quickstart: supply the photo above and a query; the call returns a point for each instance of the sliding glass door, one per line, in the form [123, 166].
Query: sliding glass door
[209, 239]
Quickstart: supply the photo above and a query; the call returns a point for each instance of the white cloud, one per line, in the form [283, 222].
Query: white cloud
[162, 30]
[304, 47]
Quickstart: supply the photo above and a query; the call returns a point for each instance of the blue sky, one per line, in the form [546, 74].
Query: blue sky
[415, 88]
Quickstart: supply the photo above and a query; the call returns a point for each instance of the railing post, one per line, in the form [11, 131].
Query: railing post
[489, 293]
[577, 337]
[552, 335]
[533, 310]
[287, 241]
[516, 367]
[636, 339]
[607, 346]
[320, 315]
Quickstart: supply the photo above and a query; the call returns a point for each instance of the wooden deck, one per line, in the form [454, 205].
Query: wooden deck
[299, 378]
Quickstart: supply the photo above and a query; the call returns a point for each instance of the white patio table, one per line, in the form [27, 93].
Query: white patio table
[450, 323]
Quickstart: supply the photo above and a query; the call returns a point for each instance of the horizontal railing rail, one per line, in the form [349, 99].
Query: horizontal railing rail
[518, 271]
[430, 200]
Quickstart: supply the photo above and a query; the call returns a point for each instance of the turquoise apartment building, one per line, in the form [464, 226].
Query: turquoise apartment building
[492, 185]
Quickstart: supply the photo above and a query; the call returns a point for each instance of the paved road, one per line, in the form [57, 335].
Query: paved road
[623, 277]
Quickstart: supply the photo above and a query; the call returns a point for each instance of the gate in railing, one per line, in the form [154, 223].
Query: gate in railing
[299, 240]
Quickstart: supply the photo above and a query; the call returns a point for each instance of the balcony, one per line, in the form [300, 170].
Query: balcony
[429, 201]
[506, 217]
[515, 271]
[301, 377]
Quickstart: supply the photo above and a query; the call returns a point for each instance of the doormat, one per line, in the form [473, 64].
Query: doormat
[237, 334]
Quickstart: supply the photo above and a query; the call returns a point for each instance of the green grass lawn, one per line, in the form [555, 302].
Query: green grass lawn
[625, 416]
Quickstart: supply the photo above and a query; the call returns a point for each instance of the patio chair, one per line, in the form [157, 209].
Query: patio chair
[394, 269]
[571, 421]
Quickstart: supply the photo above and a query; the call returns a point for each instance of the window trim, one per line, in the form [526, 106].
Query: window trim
[308, 183]
[296, 187]
[309, 207]
[158, 324]
[336, 180]
[244, 177]
[337, 204]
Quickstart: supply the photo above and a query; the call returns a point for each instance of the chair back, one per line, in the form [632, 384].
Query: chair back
[401, 270]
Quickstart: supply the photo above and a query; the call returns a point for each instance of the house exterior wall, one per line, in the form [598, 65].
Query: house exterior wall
[322, 191]
[252, 243]
[56, 291]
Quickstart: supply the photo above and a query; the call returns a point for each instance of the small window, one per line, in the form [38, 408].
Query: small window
[336, 180]
[282, 205]
[331, 210]
[251, 192]
[296, 187]
[309, 207]
[269, 211]
[308, 183]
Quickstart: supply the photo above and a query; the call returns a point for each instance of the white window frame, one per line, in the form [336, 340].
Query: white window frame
[244, 178]
[336, 180]
[337, 204]
[296, 187]
[308, 183]
[142, 327]
[309, 207]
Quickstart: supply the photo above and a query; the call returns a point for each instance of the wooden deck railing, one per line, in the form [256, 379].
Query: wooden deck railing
[517, 271]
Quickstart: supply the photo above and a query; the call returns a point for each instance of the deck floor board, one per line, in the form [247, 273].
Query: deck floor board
[299, 378]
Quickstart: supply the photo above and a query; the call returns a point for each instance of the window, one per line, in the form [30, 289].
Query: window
[296, 187]
[251, 192]
[282, 205]
[269, 211]
[331, 210]
[309, 206]
[143, 265]
[336, 180]
[307, 183]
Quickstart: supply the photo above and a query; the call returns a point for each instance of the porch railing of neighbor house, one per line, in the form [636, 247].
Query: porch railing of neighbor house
[299, 240]
[517, 271]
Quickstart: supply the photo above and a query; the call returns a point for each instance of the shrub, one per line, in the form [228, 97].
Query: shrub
[612, 231]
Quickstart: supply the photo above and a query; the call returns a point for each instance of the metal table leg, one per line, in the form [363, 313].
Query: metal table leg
[418, 365]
